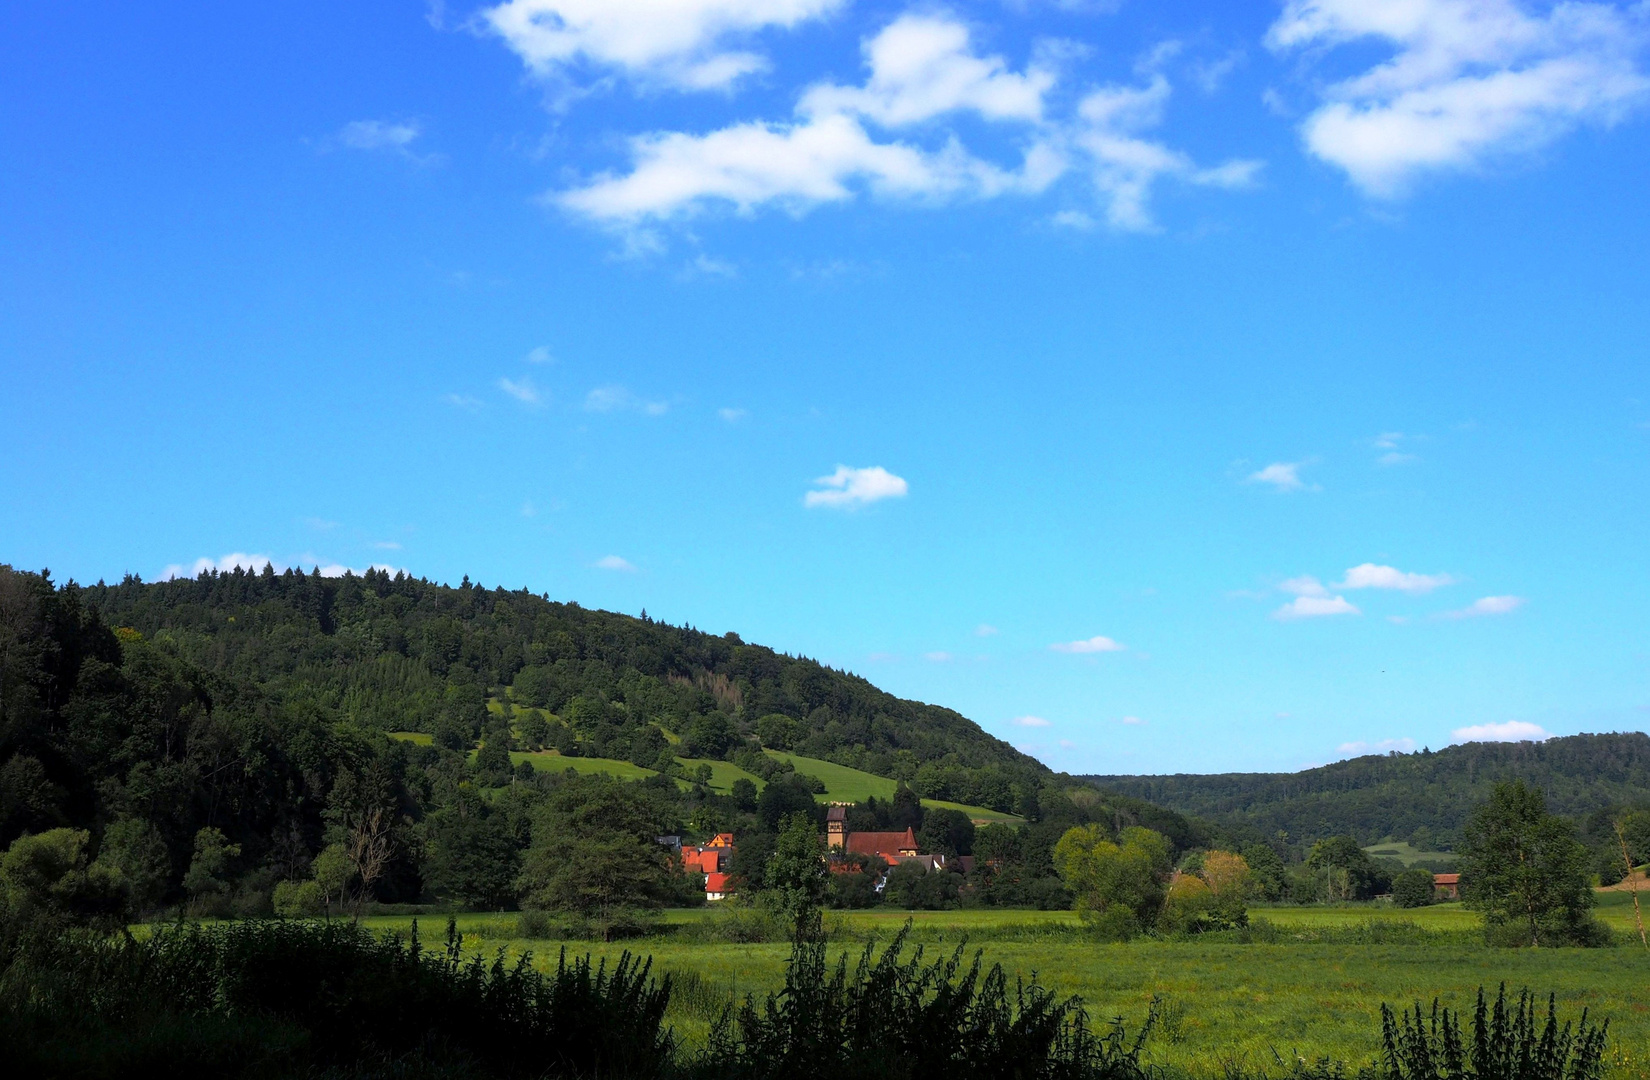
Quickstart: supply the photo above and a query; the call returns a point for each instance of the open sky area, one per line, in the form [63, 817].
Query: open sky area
[1167, 387]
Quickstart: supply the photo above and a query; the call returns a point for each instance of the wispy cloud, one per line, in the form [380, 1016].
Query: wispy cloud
[522, 389]
[1029, 721]
[1281, 475]
[614, 562]
[1508, 731]
[937, 657]
[1384, 746]
[1371, 576]
[1097, 644]
[540, 354]
[387, 545]
[1466, 82]
[379, 135]
[1314, 607]
[607, 399]
[731, 416]
[683, 45]
[463, 401]
[985, 630]
[848, 488]
[1131, 720]
[1487, 605]
[1390, 442]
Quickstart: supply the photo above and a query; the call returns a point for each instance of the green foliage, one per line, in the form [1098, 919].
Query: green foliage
[947, 832]
[1425, 797]
[1506, 1044]
[1525, 870]
[594, 850]
[1413, 888]
[302, 998]
[134, 851]
[898, 1017]
[45, 878]
[297, 899]
[915, 887]
[1338, 869]
[794, 880]
[208, 870]
[1131, 873]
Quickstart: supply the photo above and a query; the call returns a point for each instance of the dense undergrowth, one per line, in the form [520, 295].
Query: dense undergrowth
[332, 1000]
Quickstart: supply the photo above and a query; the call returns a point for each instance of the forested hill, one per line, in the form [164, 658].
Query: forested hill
[402, 653]
[1425, 796]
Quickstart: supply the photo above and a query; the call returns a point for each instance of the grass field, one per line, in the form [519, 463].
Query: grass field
[1223, 1003]
[843, 784]
[1408, 855]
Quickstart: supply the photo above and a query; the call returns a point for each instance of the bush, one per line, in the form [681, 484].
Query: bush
[296, 899]
[1413, 888]
[1505, 1045]
[293, 998]
[898, 1017]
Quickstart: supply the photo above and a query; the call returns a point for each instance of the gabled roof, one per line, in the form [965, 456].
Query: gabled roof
[716, 883]
[1446, 879]
[836, 813]
[882, 843]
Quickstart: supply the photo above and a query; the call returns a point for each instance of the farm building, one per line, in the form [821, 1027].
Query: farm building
[1448, 886]
[714, 859]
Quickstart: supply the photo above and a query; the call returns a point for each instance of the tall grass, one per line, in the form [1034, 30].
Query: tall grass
[899, 1017]
[1506, 1043]
[283, 998]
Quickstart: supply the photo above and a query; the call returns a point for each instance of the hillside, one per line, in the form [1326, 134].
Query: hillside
[1423, 798]
[400, 653]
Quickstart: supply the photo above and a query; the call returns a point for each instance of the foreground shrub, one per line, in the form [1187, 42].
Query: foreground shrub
[896, 1017]
[1506, 1043]
[285, 998]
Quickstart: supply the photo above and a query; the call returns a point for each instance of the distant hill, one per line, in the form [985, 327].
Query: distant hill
[1424, 798]
[402, 653]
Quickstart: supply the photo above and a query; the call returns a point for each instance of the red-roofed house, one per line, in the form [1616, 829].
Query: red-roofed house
[716, 886]
[1447, 885]
[713, 859]
[888, 846]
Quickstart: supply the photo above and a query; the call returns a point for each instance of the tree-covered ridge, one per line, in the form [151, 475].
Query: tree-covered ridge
[1424, 797]
[400, 653]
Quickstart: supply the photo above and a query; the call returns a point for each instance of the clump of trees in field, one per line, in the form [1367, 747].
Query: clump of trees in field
[1128, 884]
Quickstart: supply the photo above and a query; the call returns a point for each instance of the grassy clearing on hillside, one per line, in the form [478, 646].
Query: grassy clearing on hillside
[843, 784]
[1408, 855]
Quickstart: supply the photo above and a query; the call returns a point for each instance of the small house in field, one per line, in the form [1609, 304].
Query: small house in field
[714, 859]
[1447, 886]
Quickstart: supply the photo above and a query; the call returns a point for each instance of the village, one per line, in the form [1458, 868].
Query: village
[847, 852]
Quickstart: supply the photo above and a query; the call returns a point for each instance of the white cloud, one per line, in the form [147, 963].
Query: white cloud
[614, 562]
[1097, 644]
[387, 545]
[732, 416]
[463, 401]
[1312, 607]
[606, 399]
[1282, 475]
[922, 67]
[522, 390]
[1487, 605]
[1371, 576]
[1124, 166]
[680, 43]
[1508, 731]
[1029, 721]
[540, 355]
[1384, 746]
[1305, 585]
[848, 487]
[937, 657]
[1132, 720]
[792, 166]
[985, 630]
[1467, 81]
[378, 135]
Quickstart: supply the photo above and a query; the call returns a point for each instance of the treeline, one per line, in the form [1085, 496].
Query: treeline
[1424, 798]
[402, 653]
[161, 749]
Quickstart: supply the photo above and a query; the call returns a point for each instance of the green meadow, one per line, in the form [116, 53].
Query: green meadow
[842, 784]
[1220, 1003]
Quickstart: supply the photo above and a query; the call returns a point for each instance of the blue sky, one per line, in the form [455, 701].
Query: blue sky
[1166, 387]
